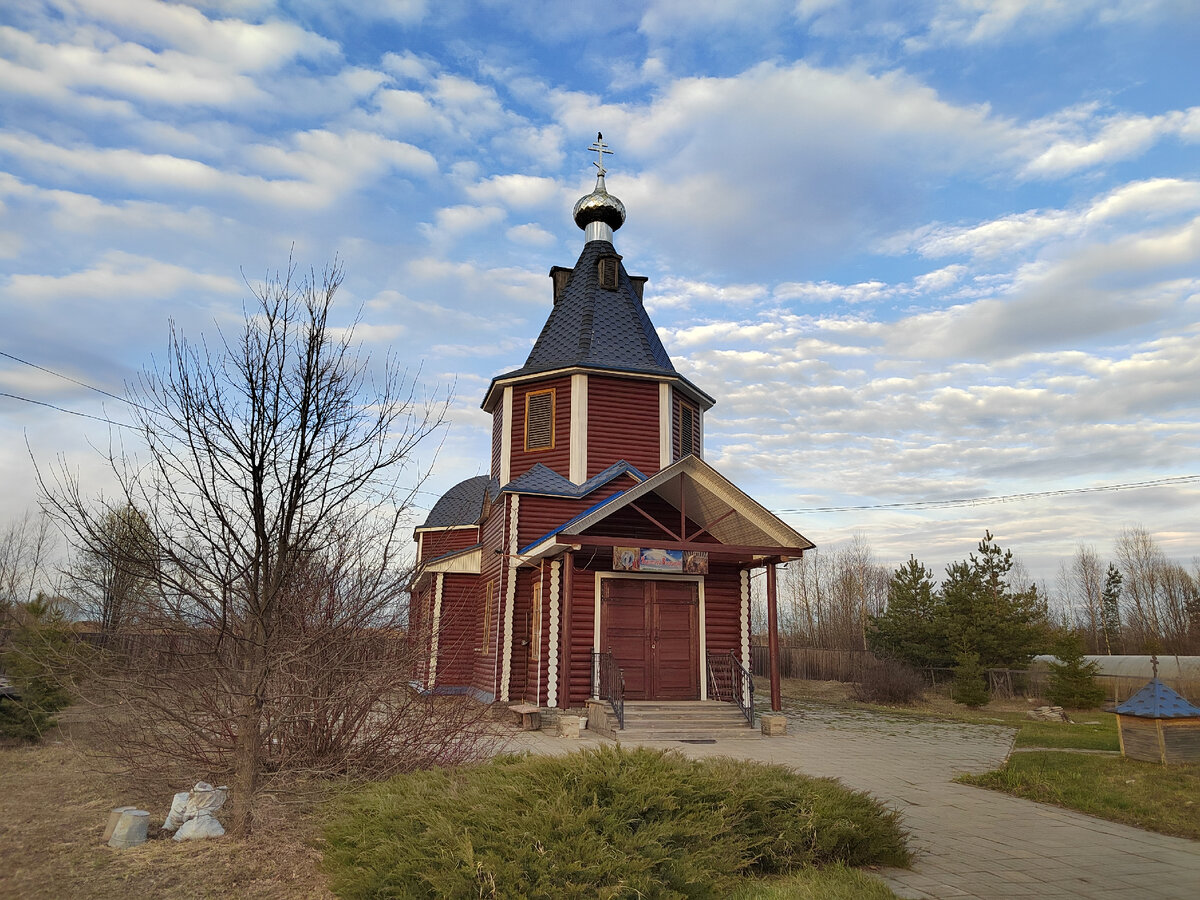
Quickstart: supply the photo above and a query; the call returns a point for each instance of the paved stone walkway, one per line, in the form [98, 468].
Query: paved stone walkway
[970, 843]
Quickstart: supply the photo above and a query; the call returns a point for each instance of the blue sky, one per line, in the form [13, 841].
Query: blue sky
[919, 251]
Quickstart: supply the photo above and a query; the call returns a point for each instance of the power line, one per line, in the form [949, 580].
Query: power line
[911, 505]
[1002, 498]
[83, 384]
[69, 411]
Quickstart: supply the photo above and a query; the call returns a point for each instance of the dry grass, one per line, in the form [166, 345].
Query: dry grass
[53, 808]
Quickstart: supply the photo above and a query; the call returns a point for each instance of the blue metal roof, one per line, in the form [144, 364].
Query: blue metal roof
[1157, 701]
[541, 479]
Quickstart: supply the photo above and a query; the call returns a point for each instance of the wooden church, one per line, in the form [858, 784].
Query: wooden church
[601, 557]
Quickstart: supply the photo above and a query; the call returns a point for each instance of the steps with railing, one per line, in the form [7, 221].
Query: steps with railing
[608, 683]
[730, 681]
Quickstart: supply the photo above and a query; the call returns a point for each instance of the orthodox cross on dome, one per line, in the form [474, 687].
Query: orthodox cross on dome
[601, 148]
[1154, 664]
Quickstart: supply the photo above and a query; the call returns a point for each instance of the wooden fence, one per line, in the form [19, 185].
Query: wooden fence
[813, 664]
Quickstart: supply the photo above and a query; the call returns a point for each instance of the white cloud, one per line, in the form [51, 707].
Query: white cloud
[1136, 203]
[455, 221]
[120, 277]
[326, 164]
[531, 235]
[968, 22]
[1116, 138]
[517, 191]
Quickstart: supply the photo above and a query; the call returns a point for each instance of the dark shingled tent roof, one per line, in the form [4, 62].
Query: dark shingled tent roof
[461, 505]
[1157, 701]
[594, 327]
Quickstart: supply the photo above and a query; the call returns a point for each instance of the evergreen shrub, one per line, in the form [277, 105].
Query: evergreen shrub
[604, 822]
[1072, 680]
[35, 645]
[970, 681]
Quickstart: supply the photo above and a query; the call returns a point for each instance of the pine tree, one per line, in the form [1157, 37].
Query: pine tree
[1072, 679]
[37, 645]
[908, 628]
[970, 680]
[1110, 610]
[982, 610]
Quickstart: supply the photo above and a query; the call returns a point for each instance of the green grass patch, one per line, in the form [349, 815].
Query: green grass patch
[836, 882]
[608, 822]
[1146, 795]
[1072, 736]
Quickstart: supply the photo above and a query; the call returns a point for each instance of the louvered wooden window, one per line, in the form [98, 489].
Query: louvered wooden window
[687, 430]
[539, 420]
[608, 273]
[489, 603]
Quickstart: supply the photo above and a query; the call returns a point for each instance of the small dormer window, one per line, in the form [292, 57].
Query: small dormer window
[539, 420]
[608, 273]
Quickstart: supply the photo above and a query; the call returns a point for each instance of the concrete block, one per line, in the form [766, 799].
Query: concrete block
[130, 829]
[774, 725]
[568, 726]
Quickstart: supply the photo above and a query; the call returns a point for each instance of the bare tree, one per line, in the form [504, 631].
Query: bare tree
[1081, 585]
[827, 597]
[26, 547]
[269, 485]
[1160, 598]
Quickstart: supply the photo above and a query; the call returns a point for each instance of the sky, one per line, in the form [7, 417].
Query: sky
[921, 252]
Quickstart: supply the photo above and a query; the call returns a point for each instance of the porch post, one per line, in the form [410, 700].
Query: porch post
[773, 637]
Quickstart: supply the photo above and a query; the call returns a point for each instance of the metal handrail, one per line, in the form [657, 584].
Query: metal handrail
[608, 683]
[731, 681]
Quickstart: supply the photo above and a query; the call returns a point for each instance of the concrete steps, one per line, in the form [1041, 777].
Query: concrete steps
[650, 720]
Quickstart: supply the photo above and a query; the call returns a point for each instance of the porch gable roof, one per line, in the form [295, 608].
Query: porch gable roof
[709, 500]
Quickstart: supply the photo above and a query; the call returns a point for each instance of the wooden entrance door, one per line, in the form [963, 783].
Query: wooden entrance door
[652, 629]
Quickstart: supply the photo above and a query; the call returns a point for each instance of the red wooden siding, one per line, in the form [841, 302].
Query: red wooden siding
[622, 423]
[578, 656]
[457, 633]
[723, 609]
[492, 569]
[558, 457]
[438, 543]
[540, 515]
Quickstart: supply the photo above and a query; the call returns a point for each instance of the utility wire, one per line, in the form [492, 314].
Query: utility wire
[69, 411]
[83, 384]
[912, 505]
[1002, 498]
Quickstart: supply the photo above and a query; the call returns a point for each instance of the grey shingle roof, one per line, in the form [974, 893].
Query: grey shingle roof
[461, 505]
[1157, 701]
[598, 328]
[541, 479]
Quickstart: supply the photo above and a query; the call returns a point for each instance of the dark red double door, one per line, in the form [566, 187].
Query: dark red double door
[652, 629]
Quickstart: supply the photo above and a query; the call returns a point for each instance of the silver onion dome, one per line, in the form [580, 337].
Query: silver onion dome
[599, 213]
